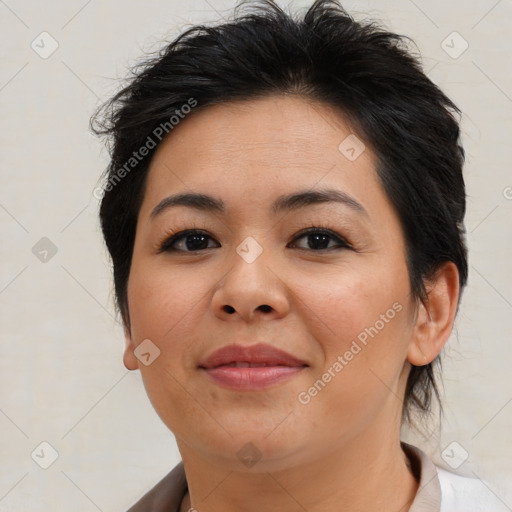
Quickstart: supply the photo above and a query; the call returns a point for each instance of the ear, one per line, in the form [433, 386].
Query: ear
[129, 359]
[434, 321]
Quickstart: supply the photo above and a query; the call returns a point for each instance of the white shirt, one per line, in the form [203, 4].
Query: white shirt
[468, 494]
[443, 491]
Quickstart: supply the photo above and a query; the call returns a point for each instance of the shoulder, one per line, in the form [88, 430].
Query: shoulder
[465, 494]
[166, 495]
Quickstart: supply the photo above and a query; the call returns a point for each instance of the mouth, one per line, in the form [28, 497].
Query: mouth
[246, 364]
[253, 367]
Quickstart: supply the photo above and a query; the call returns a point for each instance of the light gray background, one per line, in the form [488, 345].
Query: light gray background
[61, 375]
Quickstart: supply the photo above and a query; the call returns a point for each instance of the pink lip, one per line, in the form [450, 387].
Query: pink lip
[254, 367]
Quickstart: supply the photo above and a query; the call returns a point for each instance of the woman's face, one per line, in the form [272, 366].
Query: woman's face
[337, 300]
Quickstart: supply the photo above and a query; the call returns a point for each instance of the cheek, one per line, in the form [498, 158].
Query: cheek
[164, 307]
[361, 322]
[162, 304]
[348, 305]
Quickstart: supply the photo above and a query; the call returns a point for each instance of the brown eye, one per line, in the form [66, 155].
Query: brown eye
[318, 239]
[187, 241]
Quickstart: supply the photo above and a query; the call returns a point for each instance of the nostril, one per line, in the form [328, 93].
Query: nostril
[266, 308]
[229, 309]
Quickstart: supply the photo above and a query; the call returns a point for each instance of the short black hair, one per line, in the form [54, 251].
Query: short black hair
[361, 69]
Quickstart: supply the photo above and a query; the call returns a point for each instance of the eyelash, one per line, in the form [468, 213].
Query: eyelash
[172, 237]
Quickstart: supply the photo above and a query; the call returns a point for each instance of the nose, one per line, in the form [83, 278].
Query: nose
[251, 291]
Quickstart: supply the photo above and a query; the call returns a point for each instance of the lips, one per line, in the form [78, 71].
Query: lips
[251, 367]
[250, 356]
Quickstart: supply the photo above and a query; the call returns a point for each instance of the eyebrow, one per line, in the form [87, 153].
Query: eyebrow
[283, 203]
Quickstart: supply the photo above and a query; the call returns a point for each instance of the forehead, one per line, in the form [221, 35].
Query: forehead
[261, 148]
[288, 126]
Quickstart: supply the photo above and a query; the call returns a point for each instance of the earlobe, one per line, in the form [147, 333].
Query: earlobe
[435, 316]
[129, 359]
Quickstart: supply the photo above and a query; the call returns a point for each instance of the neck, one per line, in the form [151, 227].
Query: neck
[369, 472]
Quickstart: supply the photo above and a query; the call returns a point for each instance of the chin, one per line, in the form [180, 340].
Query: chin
[257, 448]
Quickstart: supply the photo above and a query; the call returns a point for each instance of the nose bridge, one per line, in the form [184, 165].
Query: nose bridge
[249, 250]
[250, 265]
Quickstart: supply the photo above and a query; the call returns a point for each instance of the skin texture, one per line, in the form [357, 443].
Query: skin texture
[342, 447]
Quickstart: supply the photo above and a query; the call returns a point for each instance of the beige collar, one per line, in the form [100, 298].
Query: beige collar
[428, 496]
